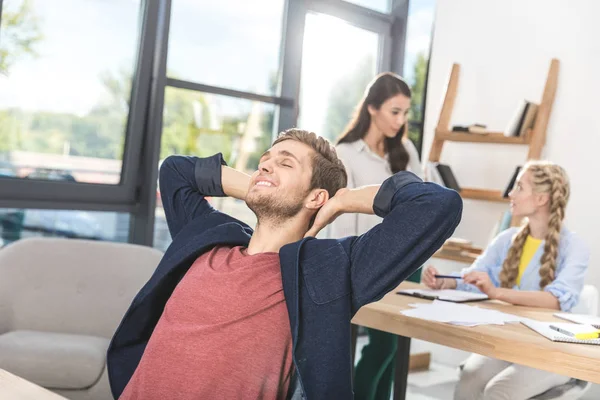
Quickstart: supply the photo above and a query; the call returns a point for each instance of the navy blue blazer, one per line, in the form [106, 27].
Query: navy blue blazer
[325, 281]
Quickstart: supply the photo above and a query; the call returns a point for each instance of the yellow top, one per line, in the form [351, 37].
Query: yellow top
[529, 249]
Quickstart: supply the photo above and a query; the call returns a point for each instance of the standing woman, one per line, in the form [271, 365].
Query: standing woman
[373, 147]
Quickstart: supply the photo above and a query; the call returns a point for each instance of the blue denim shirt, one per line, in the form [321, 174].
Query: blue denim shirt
[325, 281]
[571, 266]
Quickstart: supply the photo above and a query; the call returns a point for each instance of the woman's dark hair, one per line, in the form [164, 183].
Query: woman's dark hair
[382, 88]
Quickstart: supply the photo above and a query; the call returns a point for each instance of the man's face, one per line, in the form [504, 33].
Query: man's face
[279, 187]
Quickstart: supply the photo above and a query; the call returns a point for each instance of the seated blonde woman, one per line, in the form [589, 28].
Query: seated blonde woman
[541, 264]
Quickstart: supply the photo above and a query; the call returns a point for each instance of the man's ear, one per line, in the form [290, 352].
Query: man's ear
[316, 199]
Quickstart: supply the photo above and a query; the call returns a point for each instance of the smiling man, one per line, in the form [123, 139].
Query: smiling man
[236, 313]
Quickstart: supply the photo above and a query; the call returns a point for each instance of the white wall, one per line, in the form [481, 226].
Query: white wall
[504, 48]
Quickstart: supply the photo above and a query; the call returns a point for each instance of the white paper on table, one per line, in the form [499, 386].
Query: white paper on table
[459, 314]
[446, 294]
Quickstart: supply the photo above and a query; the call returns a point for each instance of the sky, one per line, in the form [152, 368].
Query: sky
[233, 43]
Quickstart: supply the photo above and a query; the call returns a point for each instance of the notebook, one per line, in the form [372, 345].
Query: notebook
[455, 296]
[578, 331]
[543, 328]
[580, 319]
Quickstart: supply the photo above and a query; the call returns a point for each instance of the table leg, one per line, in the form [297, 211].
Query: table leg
[401, 373]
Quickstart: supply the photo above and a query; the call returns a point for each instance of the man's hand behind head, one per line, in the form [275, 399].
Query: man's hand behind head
[328, 213]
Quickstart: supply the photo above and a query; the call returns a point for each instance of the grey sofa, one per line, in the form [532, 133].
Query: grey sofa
[60, 302]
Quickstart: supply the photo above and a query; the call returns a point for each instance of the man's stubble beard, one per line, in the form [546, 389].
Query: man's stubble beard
[274, 211]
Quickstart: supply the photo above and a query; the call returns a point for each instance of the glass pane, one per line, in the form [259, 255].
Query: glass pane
[65, 83]
[339, 60]
[418, 41]
[414, 134]
[384, 6]
[204, 124]
[231, 43]
[18, 224]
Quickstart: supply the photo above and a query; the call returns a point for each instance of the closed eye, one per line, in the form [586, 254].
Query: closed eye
[286, 162]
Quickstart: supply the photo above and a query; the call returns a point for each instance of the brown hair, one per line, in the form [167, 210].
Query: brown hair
[382, 88]
[547, 178]
[328, 170]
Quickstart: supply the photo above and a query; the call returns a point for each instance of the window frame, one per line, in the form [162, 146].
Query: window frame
[136, 192]
[34, 193]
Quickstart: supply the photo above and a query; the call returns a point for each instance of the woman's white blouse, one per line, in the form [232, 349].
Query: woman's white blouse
[365, 167]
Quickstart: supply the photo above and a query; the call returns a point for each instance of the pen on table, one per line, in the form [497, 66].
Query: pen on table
[582, 336]
[448, 276]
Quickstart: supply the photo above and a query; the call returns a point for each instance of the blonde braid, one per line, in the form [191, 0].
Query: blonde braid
[510, 267]
[546, 178]
[559, 196]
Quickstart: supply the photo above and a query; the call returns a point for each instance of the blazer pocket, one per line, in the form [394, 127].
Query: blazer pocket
[327, 275]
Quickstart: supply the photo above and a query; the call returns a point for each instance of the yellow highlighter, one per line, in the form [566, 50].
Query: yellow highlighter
[577, 331]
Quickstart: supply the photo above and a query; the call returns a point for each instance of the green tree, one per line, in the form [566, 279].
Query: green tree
[349, 89]
[10, 132]
[267, 126]
[418, 94]
[20, 33]
[181, 130]
[344, 97]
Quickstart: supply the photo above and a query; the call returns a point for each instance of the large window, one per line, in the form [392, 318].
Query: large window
[65, 86]
[203, 124]
[220, 46]
[383, 6]
[17, 224]
[416, 60]
[95, 93]
[227, 43]
[339, 60]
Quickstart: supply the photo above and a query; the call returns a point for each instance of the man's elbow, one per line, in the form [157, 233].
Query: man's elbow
[167, 171]
[165, 166]
[450, 203]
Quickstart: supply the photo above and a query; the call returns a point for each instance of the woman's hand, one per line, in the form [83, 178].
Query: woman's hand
[482, 281]
[430, 280]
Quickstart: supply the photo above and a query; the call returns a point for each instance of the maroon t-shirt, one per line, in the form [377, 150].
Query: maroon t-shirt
[224, 333]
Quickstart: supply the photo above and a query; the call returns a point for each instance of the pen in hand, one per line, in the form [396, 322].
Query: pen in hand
[448, 276]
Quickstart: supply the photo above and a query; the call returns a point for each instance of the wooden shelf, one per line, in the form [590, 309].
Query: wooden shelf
[490, 137]
[483, 194]
[454, 257]
[535, 137]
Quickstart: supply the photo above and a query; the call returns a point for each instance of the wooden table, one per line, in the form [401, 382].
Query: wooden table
[512, 342]
[15, 388]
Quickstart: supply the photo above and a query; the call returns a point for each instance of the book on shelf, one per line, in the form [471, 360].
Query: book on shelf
[448, 176]
[459, 249]
[442, 175]
[512, 182]
[522, 120]
[473, 128]
[529, 119]
[458, 242]
[432, 174]
[478, 128]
